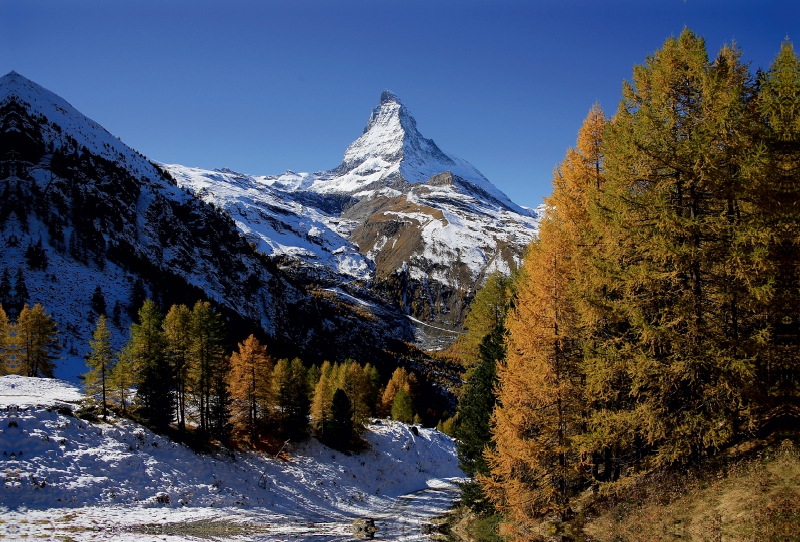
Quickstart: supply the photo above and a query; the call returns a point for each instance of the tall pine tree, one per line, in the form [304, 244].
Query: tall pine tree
[178, 335]
[671, 344]
[209, 371]
[147, 346]
[535, 466]
[250, 384]
[101, 363]
[472, 430]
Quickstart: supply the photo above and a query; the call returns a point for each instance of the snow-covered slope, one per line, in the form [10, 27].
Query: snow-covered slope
[63, 469]
[274, 223]
[451, 234]
[64, 121]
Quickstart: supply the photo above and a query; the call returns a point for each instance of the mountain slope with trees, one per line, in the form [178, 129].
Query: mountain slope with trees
[89, 225]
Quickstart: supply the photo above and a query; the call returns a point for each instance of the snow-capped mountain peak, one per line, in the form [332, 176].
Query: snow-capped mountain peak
[392, 153]
[391, 133]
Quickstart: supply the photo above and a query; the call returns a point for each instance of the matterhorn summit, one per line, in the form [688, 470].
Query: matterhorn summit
[392, 154]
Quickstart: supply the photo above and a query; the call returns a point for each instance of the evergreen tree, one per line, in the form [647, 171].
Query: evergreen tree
[251, 371]
[154, 391]
[290, 392]
[36, 256]
[123, 377]
[486, 311]
[37, 342]
[341, 429]
[178, 335]
[116, 314]
[98, 302]
[322, 402]
[20, 288]
[401, 379]
[138, 296]
[373, 377]
[100, 363]
[209, 366]
[402, 407]
[314, 374]
[355, 384]
[221, 401]
[472, 429]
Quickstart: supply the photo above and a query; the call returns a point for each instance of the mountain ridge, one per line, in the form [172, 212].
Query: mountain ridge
[106, 217]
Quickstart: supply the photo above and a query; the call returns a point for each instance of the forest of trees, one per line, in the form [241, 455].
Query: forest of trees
[184, 377]
[654, 321]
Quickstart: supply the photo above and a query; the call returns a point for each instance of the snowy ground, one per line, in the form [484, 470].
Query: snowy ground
[65, 475]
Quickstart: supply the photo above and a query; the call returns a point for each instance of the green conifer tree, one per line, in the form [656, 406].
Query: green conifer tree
[402, 407]
[123, 377]
[290, 392]
[178, 335]
[209, 371]
[341, 428]
[154, 382]
[472, 429]
[322, 402]
[101, 362]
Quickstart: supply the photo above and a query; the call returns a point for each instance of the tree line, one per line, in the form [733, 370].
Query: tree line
[182, 374]
[654, 321]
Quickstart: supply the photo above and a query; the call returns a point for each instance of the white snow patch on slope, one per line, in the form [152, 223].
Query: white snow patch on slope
[274, 222]
[82, 473]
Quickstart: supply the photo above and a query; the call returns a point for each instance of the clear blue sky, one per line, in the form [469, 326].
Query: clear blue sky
[262, 87]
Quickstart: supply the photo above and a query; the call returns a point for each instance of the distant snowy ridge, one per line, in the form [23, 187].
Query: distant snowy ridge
[273, 222]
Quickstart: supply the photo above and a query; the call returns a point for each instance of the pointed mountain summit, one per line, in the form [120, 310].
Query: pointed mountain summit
[392, 153]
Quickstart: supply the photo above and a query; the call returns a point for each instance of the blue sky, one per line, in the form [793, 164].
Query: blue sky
[266, 86]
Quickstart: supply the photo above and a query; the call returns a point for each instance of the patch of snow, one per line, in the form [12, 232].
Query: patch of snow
[83, 474]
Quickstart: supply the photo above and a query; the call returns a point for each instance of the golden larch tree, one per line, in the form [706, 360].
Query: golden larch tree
[535, 467]
[250, 386]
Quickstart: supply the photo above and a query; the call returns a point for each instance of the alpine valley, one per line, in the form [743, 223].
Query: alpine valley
[376, 259]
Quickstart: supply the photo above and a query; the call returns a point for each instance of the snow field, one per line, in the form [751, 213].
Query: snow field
[57, 466]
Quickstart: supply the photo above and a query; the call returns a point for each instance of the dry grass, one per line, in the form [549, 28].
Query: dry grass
[754, 495]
